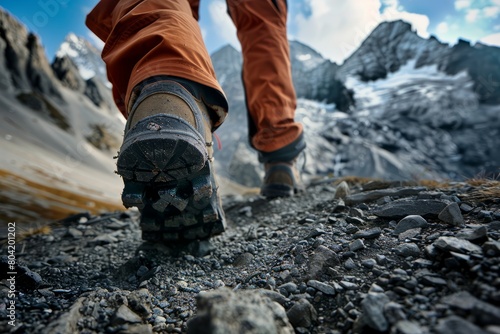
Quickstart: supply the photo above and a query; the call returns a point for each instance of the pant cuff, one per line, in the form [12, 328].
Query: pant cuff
[285, 154]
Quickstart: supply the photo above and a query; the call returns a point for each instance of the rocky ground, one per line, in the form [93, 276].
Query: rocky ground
[355, 257]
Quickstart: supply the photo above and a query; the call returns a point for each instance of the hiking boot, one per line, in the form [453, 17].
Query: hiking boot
[282, 179]
[166, 162]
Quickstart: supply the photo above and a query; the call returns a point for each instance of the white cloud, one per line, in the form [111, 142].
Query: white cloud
[222, 22]
[96, 41]
[472, 15]
[337, 36]
[493, 39]
[442, 28]
[491, 11]
[462, 4]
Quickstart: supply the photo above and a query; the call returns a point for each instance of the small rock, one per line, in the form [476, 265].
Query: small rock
[486, 314]
[494, 226]
[74, 233]
[354, 220]
[493, 329]
[302, 314]
[451, 215]
[491, 248]
[373, 311]
[322, 258]
[369, 263]
[394, 312]
[356, 245]
[371, 233]
[457, 245]
[466, 208]
[414, 232]
[243, 311]
[323, 287]
[125, 315]
[349, 285]
[349, 264]
[409, 249]
[104, 239]
[433, 281]
[274, 296]
[246, 211]
[288, 288]
[476, 236]
[457, 325]
[315, 232]
[406, 327]
[410, 222]
[342, 191]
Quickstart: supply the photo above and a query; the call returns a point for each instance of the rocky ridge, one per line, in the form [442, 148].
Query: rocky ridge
[344, 257]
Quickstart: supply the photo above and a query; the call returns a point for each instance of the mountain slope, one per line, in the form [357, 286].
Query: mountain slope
[55, 140]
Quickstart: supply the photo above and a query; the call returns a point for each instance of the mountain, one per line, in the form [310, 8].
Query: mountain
[413, 108]
[401, 107]
[436, 102]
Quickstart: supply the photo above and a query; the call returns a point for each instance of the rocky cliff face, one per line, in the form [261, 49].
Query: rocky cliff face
[24, 66]
[393, 44]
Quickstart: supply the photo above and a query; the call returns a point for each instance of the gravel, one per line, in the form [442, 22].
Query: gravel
[308, 264]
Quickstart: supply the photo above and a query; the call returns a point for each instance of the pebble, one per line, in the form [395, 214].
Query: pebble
[408, 249]
[407, 327]
[452, 215]
[457, 245]
[348, 285]
[349, 264]
[373, 311]
[356, 245]
[342, 191]
[371, 233]
[302, 314]
[410, 222]
[410, 234]
[457, 325]
[323, 287]
[125, 315]
[368, 263]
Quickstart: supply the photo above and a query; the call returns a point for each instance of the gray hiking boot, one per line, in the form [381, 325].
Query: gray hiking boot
[282, 179]
[166, 161]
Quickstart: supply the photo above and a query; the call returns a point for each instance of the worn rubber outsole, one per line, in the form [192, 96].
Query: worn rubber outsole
[271, 191]
[169, 178]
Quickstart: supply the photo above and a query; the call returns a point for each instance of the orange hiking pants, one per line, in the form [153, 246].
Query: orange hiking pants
[145, 38]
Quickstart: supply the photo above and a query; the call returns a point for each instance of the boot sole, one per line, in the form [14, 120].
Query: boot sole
[168, 178]
[277, 190]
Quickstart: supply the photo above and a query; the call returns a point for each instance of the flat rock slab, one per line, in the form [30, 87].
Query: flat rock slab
[426, 208]
[370, 196]
[454, 244]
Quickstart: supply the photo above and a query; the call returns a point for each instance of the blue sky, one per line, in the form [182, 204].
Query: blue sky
[335, 28]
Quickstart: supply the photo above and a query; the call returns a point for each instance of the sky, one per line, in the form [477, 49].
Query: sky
[334, 28]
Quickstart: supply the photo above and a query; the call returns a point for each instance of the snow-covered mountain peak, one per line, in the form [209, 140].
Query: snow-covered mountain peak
[85, 56]
[308, 58]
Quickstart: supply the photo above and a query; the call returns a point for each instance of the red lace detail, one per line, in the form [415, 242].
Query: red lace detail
[219, 143]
